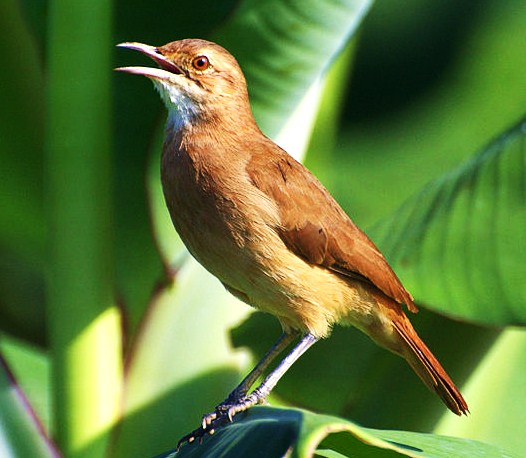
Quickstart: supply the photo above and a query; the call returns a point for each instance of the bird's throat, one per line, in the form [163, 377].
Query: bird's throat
[182, 110]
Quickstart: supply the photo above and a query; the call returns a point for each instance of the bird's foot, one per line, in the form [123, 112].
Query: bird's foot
[199, 433]
[223, 414]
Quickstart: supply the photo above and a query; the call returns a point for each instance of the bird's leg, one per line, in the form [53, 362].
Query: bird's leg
[226, 411]
[242, 389]
[259, 395]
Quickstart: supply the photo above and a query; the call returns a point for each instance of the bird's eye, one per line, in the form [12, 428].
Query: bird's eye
[201, 63]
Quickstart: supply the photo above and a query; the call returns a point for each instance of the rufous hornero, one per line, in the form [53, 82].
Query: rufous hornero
[267, 228]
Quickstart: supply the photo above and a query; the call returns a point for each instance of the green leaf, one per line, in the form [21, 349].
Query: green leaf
[459, 244]
[21, 434]
[423, 99]
[276, 433]
[84, 321]
[283, 46]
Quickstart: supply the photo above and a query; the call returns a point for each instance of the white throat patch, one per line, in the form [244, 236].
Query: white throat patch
[181, 109]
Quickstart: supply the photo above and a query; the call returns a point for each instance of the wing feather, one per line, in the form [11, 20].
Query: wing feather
[315, 227]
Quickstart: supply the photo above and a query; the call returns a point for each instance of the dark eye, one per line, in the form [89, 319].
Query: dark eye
[201, 63]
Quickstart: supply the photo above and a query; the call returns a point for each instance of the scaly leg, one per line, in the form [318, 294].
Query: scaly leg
[234, 404]
[259, 395]
[242, 389]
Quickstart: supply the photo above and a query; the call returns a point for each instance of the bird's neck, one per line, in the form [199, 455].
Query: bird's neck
[199, 132]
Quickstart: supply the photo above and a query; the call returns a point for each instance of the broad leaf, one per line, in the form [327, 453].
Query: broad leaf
[459, 244]
[301, 434]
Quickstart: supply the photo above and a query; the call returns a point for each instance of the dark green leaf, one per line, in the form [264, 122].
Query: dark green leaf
[269, 432]
[22, 226]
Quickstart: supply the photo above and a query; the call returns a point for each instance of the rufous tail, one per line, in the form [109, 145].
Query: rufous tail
[397, 334]
[427, 367]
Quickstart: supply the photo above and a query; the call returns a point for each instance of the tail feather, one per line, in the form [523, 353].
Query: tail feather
[427, 367]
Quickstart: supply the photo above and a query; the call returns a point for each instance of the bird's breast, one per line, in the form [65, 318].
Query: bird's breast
[225, 222]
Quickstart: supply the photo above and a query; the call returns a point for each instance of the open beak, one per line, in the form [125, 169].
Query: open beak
[165, 72]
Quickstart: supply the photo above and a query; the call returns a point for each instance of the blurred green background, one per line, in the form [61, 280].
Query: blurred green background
[93, 280]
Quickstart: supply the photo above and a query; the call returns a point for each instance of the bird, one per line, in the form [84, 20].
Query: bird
[266, 227]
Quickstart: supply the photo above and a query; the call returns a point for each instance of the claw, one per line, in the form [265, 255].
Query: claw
[223, 413]
[210, 423]
[208, 419]
[189, 438]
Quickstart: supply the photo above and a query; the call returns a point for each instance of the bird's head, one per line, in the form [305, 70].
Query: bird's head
[196, 78]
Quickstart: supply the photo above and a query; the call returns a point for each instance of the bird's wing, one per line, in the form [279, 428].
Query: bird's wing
[315, 227]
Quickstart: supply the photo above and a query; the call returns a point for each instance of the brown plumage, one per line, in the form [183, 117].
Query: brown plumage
[329, 237]
[266, 227]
